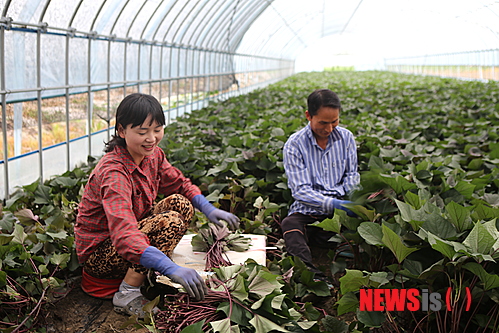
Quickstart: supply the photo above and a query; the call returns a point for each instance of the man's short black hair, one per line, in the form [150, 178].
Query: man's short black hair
[320, 98]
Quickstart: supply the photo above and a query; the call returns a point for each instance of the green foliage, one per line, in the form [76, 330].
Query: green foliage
[242, 298]
[37, 251]
[428, 204]
[427, 210]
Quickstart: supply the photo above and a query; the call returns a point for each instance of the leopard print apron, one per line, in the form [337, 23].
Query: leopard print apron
[165, 227]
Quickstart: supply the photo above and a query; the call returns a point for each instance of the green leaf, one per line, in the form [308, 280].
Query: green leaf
[459, 216]
[150, 305]
[442, 246]
[306, 325]
[371, 318]
[235, 170]
[60, 259]
[216, 170]
[378, 279]
[222, 326]
[238, 314]
[214, 196]
[43, 270]
[413, 199]
[483, 212]
[238, 289]
[332, 224]
[265, 164]
[3, 278]
[399, 184]
[5, 239]
[264, 325]
[56, 220]
[7, 222]
[347, 303]
[319, 288]
[435, 223]
[466, 189]
[353, 280]
[277, 301]
[26, 217]
[479, 240]
[19, 234]
[371, 232]
[394, 243]
[277, 131]
[42, 195]
[332, 324]
[409, 214]
[490, 281]
[194, 328]
[58, 235]
[264, 284]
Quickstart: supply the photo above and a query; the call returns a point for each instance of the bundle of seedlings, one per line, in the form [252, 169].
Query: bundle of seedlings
[215, 240]
[241, 298]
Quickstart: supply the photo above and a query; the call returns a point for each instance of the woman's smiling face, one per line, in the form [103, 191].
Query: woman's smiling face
[141, 140]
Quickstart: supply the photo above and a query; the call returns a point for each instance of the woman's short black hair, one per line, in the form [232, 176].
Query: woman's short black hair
[134, 110]
[320, 98]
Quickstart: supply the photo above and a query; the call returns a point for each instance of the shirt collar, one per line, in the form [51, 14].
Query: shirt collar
[123, 155]
[334, 136]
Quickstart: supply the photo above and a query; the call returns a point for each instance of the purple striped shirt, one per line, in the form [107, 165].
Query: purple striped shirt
[316, 175]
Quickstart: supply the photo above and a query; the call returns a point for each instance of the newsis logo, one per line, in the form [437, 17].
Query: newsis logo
[407, 300]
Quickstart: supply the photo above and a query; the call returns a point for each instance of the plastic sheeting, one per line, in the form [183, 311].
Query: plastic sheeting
[73, 35]
[280, 28]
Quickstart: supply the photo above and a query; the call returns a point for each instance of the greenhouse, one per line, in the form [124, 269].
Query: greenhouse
[419, 88]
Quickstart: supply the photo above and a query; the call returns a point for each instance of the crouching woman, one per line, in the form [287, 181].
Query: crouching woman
[120, 232]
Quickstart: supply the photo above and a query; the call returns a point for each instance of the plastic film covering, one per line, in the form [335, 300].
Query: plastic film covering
[374, 29]
[66, 64]
[99, 34]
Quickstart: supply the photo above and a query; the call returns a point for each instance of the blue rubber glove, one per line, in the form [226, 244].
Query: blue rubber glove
[218, 214]
[193, 284]
[214, 214]
[338, 204]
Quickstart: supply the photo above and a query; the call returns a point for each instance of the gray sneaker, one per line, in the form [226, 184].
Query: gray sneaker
[131, 302]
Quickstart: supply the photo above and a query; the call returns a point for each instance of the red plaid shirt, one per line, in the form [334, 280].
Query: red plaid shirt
[118, 194]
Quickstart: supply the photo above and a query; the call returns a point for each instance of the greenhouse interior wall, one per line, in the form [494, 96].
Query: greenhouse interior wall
[66, 65]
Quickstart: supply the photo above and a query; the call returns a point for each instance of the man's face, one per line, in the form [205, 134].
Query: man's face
[324, 122]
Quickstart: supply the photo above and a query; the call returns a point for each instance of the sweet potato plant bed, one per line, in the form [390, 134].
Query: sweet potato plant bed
[427, 208]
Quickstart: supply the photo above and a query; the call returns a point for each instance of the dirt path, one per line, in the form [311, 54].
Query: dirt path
[80, 313]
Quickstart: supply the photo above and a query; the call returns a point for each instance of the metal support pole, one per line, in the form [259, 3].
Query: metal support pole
[124, 68]
[39, 102]
[150, 68]
[170, 84]
[178, 83]
[160, 94]
[4, 113]
[89, 97]
[66, 81]
[139, 50]
[108, 108]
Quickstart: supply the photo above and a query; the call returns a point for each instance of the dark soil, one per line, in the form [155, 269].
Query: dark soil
[79, 313]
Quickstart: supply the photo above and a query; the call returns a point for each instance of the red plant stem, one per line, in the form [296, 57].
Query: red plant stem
[42, 297]
[215, 256]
